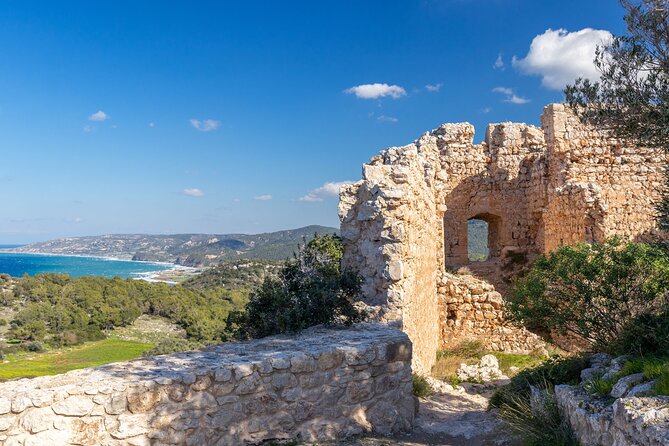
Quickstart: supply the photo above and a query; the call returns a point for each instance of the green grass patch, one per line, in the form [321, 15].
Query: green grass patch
[471, 352]
[599, 387]
[653, 369]
[27, 365]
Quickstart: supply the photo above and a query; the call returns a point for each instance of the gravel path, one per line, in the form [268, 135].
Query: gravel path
[451, 417]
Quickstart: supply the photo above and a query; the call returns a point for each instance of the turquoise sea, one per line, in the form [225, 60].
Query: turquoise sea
[16, 265]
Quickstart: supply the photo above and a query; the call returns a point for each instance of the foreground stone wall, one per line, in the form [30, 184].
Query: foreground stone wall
[405, 222]
[324, 384]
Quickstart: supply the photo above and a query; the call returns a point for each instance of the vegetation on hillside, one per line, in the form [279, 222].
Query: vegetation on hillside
[309, 290]
[243, 275]
[477, 240]
[61, 310]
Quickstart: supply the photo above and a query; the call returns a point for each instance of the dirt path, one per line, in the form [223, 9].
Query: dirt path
[451, 418]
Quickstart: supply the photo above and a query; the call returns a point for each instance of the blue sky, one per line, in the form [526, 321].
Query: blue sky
[216, 116]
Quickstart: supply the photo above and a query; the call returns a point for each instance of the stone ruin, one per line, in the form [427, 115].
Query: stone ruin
[405, 224]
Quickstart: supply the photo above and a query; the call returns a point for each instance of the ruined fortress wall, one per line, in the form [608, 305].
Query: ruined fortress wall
[600, 186]
[405, 222]
[324, 384]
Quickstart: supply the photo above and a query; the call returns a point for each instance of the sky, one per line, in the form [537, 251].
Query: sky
[245, 117]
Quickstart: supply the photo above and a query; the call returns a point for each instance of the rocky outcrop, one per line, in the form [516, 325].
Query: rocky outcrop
[626, 417]
[322, 385]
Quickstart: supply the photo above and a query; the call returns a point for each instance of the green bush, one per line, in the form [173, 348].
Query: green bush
[647, 334]
[594, 291]
[553, 371]
[173, 345]
[421, 388]
[310, 290]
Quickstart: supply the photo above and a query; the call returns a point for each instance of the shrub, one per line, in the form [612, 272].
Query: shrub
[172, 345]
[647, 334]
[555, 370]
[421, 388]
[539, 426]
[310, 290]
[593, 291]
[34, 347]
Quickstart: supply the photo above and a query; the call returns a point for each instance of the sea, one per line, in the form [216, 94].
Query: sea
[18, 264]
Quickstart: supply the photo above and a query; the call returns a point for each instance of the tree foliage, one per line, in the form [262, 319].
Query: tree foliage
[632, 96]
[594, 291]
[311, 289]
[64, 310]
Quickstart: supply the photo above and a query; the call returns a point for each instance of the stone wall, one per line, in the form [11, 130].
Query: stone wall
[324, 384]
[405, 222]
[471, 308]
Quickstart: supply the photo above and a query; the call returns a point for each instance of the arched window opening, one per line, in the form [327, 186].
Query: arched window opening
[478, 249]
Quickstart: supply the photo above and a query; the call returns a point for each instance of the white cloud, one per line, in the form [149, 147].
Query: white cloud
[206, 125]
[499, 63]
[511, 96]
[327, 190]
[384, 118]
[98, 116]
[433, 88]
[486, 110]
[264, 197]
[376, 91]
[193, 192]
[560, 57]
[88, 129]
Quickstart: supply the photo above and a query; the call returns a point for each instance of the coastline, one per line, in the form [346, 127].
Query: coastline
[156, 276]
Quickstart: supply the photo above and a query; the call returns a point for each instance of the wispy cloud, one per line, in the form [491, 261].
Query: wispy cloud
[193, 192]
[384, 118]
[433, 88]
[499, 63]
[376, 91]
[327, 190]
[486, 110]
[510, 95]
[560, 57]
[88, 129]
[206, 125]
[98, 116]
[264, 197]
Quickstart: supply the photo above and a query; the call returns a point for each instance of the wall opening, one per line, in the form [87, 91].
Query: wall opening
[477, 240]
[483, 237]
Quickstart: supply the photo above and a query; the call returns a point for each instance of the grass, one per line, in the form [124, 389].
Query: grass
[63, 360]
[652, 369]
[421, 388]
[470, 352]
[599, 387]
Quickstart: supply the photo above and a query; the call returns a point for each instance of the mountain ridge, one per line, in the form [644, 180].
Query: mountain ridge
[191, 249]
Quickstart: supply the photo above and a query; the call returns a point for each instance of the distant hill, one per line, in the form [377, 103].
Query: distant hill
[182, 249]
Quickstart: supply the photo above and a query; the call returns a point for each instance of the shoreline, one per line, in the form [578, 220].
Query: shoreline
[147, 276]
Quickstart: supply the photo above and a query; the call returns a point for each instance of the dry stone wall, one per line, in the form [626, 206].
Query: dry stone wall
[324, 384]
[405, 223]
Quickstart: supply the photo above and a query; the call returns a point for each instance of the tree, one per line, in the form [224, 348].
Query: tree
[631, 97]
[311, 289]
[594, 291]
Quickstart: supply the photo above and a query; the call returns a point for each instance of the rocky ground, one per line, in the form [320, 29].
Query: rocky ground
[451, 417]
